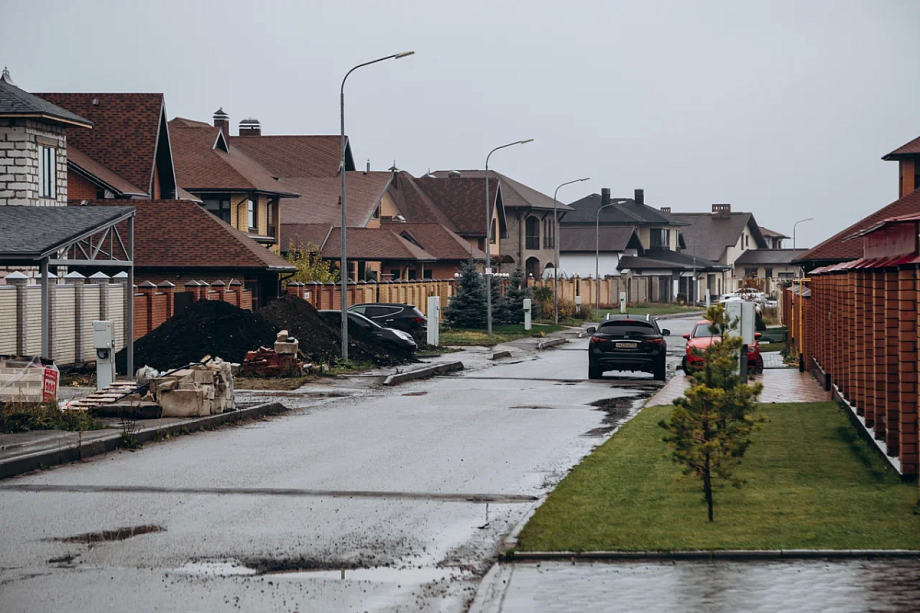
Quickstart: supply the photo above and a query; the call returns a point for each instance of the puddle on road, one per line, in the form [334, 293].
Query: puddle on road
[106, 536]
[617, 411]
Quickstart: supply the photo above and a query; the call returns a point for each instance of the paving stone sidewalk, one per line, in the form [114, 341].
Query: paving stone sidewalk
[779, 385]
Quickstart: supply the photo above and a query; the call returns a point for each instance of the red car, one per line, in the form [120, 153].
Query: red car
[701, 338]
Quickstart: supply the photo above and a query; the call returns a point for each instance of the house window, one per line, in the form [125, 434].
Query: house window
[271, 218]
[532, 233]
[411, 274]
[549, 233]
[767, 273]
[220, 206]
[47, 172]
[428, 274]
[786, 276]
[750, 273]
[394, 274]
[252, 215]
[494, 232]
[660, 237]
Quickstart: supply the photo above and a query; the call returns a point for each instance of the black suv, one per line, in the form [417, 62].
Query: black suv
[403, 317]
[624, 342]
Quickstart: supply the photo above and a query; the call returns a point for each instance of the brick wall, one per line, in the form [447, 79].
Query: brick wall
[19, 163]
[80, 188]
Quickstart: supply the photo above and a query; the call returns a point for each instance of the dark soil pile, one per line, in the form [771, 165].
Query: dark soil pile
[302, 321]
[207, 327]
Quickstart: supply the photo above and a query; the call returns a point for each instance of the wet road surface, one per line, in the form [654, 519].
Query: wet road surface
[753, 587]
[407, 491]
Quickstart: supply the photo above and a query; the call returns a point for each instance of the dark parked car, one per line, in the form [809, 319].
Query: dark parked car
[403, 317]
[387, 336]
[625, 342]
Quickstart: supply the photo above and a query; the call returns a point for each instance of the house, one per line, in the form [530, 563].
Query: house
[661, 270]
[532, 231]
[584, 251]
[230, 184]
[721, 236]
[773, 266]
[837, 248]
[773, 239]
[126, 155]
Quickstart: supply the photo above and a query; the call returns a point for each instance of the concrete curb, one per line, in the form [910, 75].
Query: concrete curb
[500, 354]
[552, 342]
[64, 455]
[727, 554]
[423, 373]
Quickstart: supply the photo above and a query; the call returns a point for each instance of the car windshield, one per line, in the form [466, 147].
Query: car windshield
[702, 330]
[627, 326]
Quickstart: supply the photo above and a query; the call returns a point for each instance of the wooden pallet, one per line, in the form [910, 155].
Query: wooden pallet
[105, 396]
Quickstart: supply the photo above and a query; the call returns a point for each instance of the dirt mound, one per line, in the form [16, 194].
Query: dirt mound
[204, 328]
[302, 321]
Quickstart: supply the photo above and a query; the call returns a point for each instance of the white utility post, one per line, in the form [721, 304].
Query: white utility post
[527, 322]
[741, 314]
[708, 298]
[622, 302]
[434, 318]
[104, 344]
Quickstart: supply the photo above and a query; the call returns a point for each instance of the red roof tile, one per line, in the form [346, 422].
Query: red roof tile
[911, 148]
[837, 249]
[436, 240]
[293, 156]
[462, 200]
[302, 234]
[414, 203]
[319, 198]
[374, 244]
[179, 234]
[99, 174]
[124, 134]
[514, 193]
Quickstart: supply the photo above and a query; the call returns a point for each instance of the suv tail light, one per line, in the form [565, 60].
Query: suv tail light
[597, 339]
[418, 320]
[653, 341]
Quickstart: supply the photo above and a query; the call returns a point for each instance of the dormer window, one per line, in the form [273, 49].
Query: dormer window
[252, 215]
[660, 237]
[47, 172]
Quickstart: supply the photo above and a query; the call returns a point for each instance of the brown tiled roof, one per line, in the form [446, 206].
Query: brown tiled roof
[835, 249]
[436, 239]
[911, 148]
[609, 238]
[709, 236]
[99, 174]
[124, 134]
[201, 166]
[773, 233]
[514, 193]
[374, 244]
[414, 203]
[181, 194]
[319, 198]
[462, 200]
[769, 256]
[179, 234]
[302, 234]
[293, 156]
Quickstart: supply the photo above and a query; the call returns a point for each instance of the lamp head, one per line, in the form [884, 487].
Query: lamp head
[403, 54]
[524, 142]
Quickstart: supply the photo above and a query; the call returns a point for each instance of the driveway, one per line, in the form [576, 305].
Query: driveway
[396, 499]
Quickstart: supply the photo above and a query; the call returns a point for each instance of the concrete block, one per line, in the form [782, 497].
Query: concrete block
[183, 403]
[286, 348]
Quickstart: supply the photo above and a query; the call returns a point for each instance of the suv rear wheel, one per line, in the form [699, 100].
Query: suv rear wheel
[594, 371]
[661, 371]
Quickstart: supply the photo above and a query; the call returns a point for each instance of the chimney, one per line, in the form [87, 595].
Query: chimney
[639, 196]
[250, 127]
[222, 121]
[721, 211]
[605, 196]
[395, 172]
[666, 209]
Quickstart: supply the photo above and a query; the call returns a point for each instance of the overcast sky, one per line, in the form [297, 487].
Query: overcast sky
[780, 108]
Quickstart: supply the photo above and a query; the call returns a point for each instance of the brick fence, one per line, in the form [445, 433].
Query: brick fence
[856, 330]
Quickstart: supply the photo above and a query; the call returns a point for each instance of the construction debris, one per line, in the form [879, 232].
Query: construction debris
[28, 379]
[282, 361]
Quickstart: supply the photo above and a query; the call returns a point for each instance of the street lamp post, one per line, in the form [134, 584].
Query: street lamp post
[488, 262]
[343, 264]
[597, 249]
[796, 224]
[556, 252]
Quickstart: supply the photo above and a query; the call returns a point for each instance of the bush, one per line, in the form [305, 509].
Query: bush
[566, 309]
[584, 312]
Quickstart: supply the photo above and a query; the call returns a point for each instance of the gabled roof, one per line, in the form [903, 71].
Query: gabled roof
[607, 238]
[15, 102]
[629, 213]
[769, 256]
[374, 244]
[907, 150]
[436, 239]
[837, 249]
[204, 162]
[129, 135]
[514, 193]
[296, 155]
[178, 234]
[709, 235]
[665, 259]
[413, 203]
[462, 201]
[101, 175]
[771, 233]
[38, 231]
[299, 235]
[319, 198]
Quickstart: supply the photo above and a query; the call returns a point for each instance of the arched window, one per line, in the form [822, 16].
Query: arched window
[532, 233]
[494, 237]
[549, 233]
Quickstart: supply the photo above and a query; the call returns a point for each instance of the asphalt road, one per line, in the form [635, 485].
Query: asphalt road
[393, 501]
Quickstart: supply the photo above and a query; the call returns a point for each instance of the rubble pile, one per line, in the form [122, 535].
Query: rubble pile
[196, 391]
[282, 361]
[205, 327]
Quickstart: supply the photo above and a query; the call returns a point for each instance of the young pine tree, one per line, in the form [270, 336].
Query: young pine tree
[711, 425]
[514, 298]
[467, 307]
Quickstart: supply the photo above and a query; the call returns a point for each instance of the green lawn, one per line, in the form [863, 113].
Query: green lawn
[772, 347]
[811, 483]
[501, 333]
[652, 309]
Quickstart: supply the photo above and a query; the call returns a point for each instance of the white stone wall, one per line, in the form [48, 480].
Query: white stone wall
[19, 141]
[8, 314]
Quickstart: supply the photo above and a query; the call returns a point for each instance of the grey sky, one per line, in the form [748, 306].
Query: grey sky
[780, 108]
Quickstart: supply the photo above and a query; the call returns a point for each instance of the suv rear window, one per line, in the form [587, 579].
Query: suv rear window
[627, 327]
